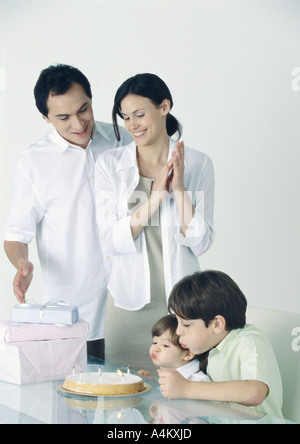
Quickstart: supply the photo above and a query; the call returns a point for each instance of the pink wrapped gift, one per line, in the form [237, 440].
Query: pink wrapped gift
[39, 361]
[11, 331]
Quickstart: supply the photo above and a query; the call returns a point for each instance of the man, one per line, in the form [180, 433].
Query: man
[53, 200]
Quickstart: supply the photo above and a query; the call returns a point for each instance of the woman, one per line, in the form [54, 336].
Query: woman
[155, 214]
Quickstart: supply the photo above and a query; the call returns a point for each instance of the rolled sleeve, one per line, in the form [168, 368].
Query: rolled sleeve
[198, 237]
[200, 233]
[122, 237]
[25, 212]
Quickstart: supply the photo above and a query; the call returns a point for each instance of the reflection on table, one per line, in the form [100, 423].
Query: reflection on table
[48, 403]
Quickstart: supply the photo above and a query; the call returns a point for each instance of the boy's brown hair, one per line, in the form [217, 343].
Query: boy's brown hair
[204, 295]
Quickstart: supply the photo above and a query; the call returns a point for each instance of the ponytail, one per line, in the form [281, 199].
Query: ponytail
[173, 126]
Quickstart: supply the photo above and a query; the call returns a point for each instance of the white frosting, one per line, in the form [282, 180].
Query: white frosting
[94, 378]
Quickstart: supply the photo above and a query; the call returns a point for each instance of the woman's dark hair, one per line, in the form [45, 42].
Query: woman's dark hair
[204, 295]
[152, 87]
[57, 80]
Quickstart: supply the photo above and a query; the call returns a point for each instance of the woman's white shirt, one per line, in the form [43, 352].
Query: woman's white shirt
[116, 177]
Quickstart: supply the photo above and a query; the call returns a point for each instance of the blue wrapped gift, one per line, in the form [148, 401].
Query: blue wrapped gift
[57, 313]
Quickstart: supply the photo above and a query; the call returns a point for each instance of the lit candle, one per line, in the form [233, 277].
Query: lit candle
[100, 372]
[121, 374]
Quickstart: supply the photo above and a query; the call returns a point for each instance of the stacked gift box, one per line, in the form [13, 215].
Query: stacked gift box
[42, 343]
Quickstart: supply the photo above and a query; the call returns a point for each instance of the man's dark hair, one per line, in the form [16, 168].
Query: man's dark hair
[57, 80]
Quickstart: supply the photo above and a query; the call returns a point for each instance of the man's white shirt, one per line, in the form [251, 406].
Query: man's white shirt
[53, 201]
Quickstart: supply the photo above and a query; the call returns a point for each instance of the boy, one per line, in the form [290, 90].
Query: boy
[211, 314]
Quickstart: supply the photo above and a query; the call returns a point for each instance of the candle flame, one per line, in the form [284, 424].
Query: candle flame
[119, 372]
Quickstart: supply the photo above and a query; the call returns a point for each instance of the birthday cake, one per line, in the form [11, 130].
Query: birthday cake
[104, 384]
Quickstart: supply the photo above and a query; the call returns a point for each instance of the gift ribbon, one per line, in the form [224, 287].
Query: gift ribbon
[48, 304]
[42, 307]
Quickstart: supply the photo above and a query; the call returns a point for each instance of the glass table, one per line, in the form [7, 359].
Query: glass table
[47, 403]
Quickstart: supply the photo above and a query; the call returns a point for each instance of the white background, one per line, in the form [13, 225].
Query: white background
[229, 66]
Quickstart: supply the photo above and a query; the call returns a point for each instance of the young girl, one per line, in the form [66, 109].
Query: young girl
[155, 200]
[166, 351]
[211, 313]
